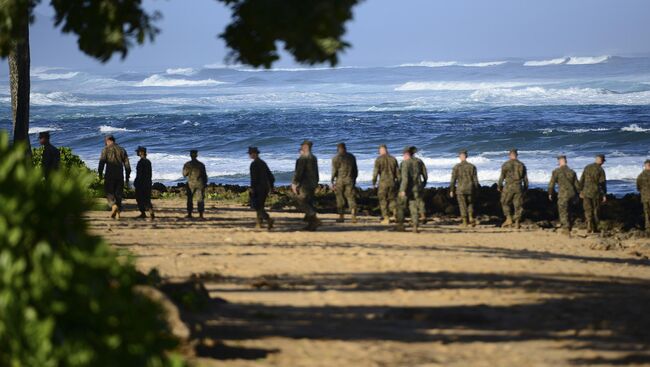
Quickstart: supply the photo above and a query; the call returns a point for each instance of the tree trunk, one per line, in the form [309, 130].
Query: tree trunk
[19, 64]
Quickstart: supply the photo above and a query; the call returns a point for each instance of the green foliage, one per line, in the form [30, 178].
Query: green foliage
[65, 298]
[310, 30]
[72, 165]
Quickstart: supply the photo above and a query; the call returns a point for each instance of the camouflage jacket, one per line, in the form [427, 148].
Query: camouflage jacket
[465, 175]
[513, 172]
[424, 176]
[143, 174]
[593, 182]
[195, 173]
[115, 159]
[51, 158]
[262, 180]
[643, 185]
[567, 180]
[387, 170]
[410, 178]
[344, 168]
[306, 173]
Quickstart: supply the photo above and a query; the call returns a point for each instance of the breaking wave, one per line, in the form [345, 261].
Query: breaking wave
[557, 61]
[430, 64]
[180, 71]
[458, 86]
[112, 129]
[484, 64]
[635, 128]
[589, 60]
[40, 129]
[157, 80]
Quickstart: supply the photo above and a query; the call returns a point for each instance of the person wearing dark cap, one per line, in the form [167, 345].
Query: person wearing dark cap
[424, 177]
[262, 181]
[142, 184]
[304, 184]
[568, 189]
[512, 184]
[387, 170]
[344, 180]
[118, 170]
[643, 185]
[51, 158]
[409, 190]
[464, 185]
[593, 191]
[197, 180]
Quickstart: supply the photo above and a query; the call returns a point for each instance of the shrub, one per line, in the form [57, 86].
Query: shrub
[72, 165]
[65, 298]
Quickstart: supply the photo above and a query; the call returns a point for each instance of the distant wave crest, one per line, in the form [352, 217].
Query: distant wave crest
[157, 80]
[459, 86]
[40, 129]
[589, 60]
[180, 71]
[484, 64]
[557, 61]
[430, 64]
[635, 128]
[112, 129]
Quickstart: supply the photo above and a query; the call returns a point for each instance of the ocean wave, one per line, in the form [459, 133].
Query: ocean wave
[567, 96]
[459, 86]
[484, 64]
[40, 129]
[157, 80]
[112, 129]
[430, 64]
[68, 100]
[557, 61]
[589, 60]
[635, 128]
[55, 76]
[180, 71]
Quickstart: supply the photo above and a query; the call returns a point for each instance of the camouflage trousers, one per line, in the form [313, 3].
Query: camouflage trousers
[114, 189]
[564, 211]
[387, 195]
[199, 194]
[305, 201]
[465, 204]
[646, 211]
[512, 198]
[413, 207]
[422, 209]
[143, 198]
[591, 207]
[345, 191]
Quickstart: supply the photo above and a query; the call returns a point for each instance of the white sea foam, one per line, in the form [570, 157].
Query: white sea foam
[468, 86]
[111, 129]
[180, 71]
[68, 100]
[430, 64]
[557, 61]
[157, 80]
[55, 76]
[590, 60]
[635, 128]
[544, 96]
[40, 129]
[484, 64]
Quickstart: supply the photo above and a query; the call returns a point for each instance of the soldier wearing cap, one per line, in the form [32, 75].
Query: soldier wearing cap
[423, 183]
[51, 158]
[118, 170]
[304, 184]
[344, 180]
[387, 169]
[464, 185]
[142, 184]
[643, 185]
[197, 180]
[593, 186]
[262, 181]
[512, 184]
[409, 190]
[568, 189]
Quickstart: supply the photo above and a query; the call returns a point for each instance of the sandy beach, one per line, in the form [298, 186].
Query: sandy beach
[361, 295]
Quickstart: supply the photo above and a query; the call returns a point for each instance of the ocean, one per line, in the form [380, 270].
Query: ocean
[578, 106]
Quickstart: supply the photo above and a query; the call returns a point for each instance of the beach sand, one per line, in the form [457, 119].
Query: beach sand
[361, 295]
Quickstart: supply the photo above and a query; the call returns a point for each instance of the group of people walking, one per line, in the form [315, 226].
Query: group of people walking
[399, 186]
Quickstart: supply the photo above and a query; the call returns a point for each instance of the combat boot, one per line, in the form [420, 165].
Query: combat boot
[258, 224]
[566, 231]
[385, 221]
[423, 218]
[269, 223]
[354, 215]
[399, 227]
[151, 214]
[464, 224]
[188, 216]
[201, 215]
[472, 221]
[590, 227]
[312, 224]
[507, 223]
[517, 224]
[114, 211]
[341, 218]
[416, 229]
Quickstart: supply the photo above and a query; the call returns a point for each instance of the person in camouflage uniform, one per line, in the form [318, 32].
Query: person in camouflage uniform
[262, 181]
[51, 158]
[387, 170]
[304, 184]
[344, 179]
[197, 180]
[142, 184]
[513, 172]
[593, 185]
[569, 187]
[424, 177]
[116, 162]
[464, 185]
[643, 185]
[409, 190]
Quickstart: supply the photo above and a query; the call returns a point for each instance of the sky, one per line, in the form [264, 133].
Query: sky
[387, 32]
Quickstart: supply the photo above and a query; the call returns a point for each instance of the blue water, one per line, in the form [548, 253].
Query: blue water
[574, 106]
